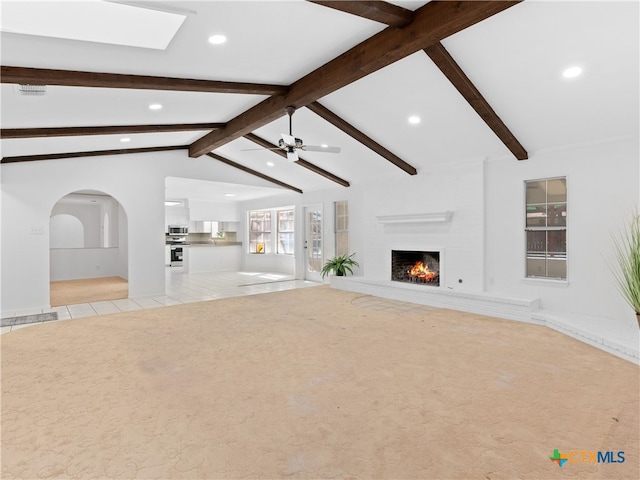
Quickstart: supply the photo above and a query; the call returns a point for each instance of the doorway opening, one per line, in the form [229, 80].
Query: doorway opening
[313, 243]
[88, 252]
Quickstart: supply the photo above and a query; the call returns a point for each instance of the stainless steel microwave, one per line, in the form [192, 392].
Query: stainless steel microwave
[178, 230]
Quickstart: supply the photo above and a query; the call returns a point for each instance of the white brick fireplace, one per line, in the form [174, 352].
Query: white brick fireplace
[442, 211]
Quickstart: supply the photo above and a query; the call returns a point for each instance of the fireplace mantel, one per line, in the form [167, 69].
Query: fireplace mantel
[437, 217]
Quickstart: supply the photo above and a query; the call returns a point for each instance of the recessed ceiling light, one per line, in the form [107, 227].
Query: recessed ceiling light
[125, 140]
[155, 106]
[572, 72]
[217, 39]
[414, 120]
[271, 164]
[170, 203]
[229, 195]
[324, 145]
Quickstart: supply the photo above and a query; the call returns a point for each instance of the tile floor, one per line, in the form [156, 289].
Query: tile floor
[181, 288]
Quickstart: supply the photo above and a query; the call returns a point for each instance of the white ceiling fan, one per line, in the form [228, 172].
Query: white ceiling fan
[291, 144]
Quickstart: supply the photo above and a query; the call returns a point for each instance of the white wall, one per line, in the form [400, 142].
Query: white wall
[110, 231]
[65, 231]
[76, 255]
[602, 193]
[123, 244]
[208, 211]
[137, 182]
[76, 263]
[89, 215]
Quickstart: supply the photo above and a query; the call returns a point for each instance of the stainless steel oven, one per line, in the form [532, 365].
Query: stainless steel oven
[176, 255]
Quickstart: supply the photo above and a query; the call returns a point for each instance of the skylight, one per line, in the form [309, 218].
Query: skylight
[92, 21]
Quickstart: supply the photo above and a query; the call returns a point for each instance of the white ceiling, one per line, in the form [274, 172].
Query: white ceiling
[514, 58]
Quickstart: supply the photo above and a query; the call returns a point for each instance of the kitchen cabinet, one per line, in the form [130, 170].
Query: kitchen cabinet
[228, 226]
[200, 227]
[213, 258]
[167, 255]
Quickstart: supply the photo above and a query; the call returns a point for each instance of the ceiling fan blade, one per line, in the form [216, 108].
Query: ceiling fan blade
[318, 148]
[254, 149]
[292, 156]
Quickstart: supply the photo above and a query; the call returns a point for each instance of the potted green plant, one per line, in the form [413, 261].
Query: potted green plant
[627, 250]
[340, 265]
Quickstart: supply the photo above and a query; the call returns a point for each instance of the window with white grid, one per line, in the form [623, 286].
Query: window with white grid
[546, 228]
[342, 227]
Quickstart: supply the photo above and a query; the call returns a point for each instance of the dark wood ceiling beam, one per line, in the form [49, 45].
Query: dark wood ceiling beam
[265, 144]
[233, 164]
[445, 62]
[431, 23]
[71, 78]
[320, 171]
[382, 12]
[303, 163]
[97, 153]
[353, 132]
[94, 153]
[7, 133]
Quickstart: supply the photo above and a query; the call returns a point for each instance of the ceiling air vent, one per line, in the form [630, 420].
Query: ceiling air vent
[32, 90]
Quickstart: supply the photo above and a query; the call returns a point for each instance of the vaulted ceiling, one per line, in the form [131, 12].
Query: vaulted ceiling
[485, 79]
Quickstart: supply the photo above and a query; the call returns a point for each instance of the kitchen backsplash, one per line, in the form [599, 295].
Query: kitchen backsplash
[207, 238]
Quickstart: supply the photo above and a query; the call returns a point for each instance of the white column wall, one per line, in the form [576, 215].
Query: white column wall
[28, 196]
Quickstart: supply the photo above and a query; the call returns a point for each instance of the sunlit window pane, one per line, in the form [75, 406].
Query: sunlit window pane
[285, 232]
[546, 222]
[342, 227]
[260, 232]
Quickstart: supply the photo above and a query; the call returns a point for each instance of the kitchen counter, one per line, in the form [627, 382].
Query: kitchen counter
[208, 257]
[215, 244]
[204, 244]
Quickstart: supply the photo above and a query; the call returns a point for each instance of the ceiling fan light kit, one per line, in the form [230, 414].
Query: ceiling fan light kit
[290, 144]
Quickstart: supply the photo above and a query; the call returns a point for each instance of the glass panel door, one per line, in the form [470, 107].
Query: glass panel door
[313, 243]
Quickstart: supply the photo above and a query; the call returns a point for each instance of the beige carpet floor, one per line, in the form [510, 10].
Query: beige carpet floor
[311, 383]
[72, 292]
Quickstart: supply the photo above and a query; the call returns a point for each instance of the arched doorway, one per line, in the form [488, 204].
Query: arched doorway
[88, 249]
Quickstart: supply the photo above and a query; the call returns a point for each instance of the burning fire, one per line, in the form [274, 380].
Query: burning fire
[421, 270]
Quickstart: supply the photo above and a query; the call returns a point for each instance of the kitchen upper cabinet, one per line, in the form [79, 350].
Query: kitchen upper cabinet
[200, 227]
[228, 226]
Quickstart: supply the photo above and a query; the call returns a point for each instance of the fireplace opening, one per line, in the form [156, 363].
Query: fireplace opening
[415, 267]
